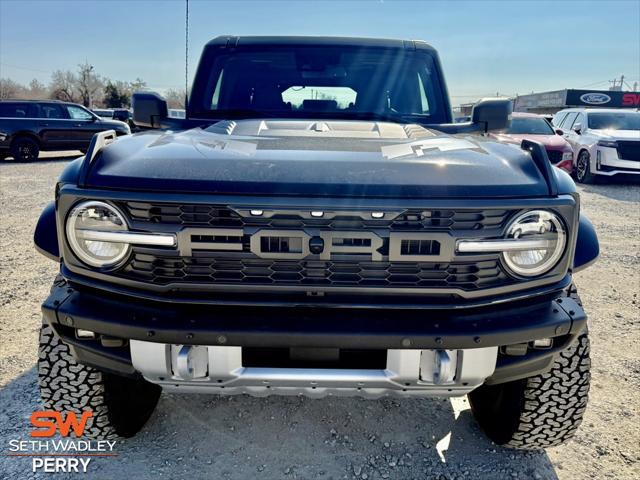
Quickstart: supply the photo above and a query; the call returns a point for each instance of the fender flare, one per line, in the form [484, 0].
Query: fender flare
[587, 245]
[45, 236]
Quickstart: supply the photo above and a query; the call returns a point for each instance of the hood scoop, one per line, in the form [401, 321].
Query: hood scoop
[319, 128]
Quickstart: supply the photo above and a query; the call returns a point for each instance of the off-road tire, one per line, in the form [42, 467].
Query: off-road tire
[121, 406]
[583, 169]
[540, 411]
[25, 149]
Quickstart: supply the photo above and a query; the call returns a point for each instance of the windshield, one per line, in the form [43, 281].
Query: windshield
[530, 126]
[614, 121]
[319, 82]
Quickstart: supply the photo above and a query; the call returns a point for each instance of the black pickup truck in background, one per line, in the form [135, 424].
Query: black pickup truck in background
[29, 126]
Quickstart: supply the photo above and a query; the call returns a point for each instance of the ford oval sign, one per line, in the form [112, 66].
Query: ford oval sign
[595, 98]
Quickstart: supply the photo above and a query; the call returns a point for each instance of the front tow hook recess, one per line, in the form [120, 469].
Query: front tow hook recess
[192, 362]
[443, 370]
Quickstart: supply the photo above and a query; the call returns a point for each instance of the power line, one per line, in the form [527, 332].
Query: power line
[594, 84]
[24, 68]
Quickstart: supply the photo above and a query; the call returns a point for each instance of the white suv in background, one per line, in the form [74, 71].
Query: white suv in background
[605, 141]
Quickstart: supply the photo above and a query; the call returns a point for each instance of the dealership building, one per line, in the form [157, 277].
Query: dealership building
[551, 102]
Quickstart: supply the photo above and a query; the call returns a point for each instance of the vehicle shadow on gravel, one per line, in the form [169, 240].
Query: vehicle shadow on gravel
[621, 190]
[200, 436]
[44, 157]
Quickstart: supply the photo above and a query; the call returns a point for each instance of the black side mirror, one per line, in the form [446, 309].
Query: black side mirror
[559, 131]
[149, 109]
[492, 114]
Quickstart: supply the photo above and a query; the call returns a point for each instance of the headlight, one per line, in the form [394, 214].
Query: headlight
[539, 228]
[89, 226]
[608, 143]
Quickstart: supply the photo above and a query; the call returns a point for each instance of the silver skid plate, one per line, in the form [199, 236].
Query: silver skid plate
[214, 369]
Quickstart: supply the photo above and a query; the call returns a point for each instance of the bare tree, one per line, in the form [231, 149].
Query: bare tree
[37, 89]
[175, 98]
[11, 89]
[89, 84]
[137, 85]
[86, 87]
[63, 86]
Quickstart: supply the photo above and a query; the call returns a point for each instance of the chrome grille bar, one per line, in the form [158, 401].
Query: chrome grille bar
[486, 246]
[158, 240]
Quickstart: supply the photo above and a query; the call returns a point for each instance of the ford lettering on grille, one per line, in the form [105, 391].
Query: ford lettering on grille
[327, 244]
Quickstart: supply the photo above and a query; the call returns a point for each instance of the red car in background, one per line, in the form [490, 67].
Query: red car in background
[529, 126]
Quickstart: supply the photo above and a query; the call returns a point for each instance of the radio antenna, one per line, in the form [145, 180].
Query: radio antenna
[186, 56]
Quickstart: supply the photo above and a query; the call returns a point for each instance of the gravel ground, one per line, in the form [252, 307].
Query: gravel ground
[283, 437]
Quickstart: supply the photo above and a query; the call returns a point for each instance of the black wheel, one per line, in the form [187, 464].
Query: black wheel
[25, 149]
[541, 411]
[583, 168]
[121, 406]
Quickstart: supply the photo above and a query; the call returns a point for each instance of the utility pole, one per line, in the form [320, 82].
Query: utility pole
[614, 84]
[186, 56]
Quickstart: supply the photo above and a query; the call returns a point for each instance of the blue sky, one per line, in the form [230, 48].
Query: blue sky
[486, 47]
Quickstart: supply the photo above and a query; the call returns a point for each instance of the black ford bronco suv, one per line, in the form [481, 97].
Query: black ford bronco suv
[28, 127]
[317, 225]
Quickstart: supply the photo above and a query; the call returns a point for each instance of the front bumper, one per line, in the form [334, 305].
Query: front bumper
[607, 162]
[117, 320]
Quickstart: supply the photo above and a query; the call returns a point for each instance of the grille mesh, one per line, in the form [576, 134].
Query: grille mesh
[222, 216]
[629, 150]
[555, 156]
[242, 270]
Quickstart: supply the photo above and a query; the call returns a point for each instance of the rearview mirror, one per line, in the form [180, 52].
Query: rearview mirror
[577, 128]
[492, 114]
[559, 131]
[149, 109]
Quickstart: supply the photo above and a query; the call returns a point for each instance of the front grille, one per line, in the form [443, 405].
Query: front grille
[221, 248]
[223, 216]
[240, 268]
[629, 150]
[555, 156]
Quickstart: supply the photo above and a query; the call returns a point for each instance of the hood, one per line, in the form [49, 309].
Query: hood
[303, 157]
[116, 124]
[550, 142]
[617, 134]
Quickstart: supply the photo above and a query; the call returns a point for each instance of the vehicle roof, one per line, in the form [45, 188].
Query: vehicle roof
[319, 40]
[595, 109]
[30, 100]
[526, 115]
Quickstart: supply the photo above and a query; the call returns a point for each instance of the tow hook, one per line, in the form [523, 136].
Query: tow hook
[191, 362]
[443, 369]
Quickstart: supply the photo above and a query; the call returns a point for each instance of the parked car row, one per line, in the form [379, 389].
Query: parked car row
[605, 141]
[29, 126]
[529, 126]
[585, 142]
[121, 114]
